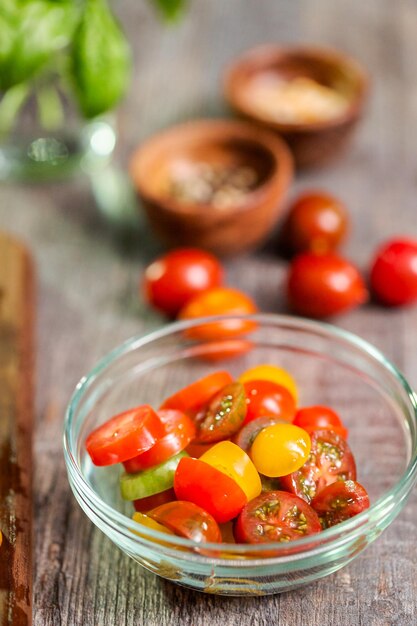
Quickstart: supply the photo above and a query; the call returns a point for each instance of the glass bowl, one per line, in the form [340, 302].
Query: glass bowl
[330, 365]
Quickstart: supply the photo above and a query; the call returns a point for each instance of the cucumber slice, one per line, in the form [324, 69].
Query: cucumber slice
[150, 481]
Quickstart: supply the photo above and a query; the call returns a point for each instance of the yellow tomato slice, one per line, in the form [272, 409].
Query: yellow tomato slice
[276, 374]
[280, 449]
[228, 458]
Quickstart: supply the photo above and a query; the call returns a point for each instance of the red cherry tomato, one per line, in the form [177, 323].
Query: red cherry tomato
[194, 396]
[340, 501]
[263, 397]
[246, 435]
[187, 520]
[330, 460]
[275, 516]
[316, 222]
[146, 504]
[179, 432]
[320, 418]
[223, 416]
[173, 279]
[320, 285]
[219, 301]
[208, 487]
[124, 436]
[394, 272]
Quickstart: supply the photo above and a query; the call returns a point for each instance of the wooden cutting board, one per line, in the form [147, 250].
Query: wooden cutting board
[16, 396]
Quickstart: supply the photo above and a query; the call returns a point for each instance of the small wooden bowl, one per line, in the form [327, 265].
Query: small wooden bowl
[312, 143]
[226, 143]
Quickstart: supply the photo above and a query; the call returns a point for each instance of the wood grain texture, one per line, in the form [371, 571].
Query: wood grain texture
[16, 312]
[88, 302]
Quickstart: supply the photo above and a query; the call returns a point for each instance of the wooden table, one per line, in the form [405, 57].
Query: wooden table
[88, 302]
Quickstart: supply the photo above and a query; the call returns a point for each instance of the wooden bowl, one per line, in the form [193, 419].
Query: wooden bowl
[312, 143]
[219, 143]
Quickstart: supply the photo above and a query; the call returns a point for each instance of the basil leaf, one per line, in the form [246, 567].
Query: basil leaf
[100, 60]
[171, 9]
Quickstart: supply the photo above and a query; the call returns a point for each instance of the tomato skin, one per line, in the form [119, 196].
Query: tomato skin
[276, 516]
[316, 222]
[124, 436]
[320, 418]
[330, 460]
[175, 278]
[198, 482]
[146, 504]
[340, 501]
[245, 437]
[265, 398]
[188, 520]
[272, 373]
[321, 285]
[394, 272]
[280, 449]
[223, 416]
[150, 481]
[179, 432]
[219, 301]
[194, 396]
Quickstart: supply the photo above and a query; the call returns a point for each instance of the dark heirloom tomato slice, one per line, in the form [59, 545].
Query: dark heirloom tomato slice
[264, 397]
[206, 486]
[124, 436]
[330, 460]
[146, 504]
[223, 416]
[340, 501]
[196, 395]
[188, 520]
[246, 435]
[179, 432]
[320, 418]
[276, 516]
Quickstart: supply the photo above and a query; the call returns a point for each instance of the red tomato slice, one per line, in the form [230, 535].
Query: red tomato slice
[206, 486]
[188, 520]
[330, 460]
[246, 435]
[124, 436]
[193, 397]
[265, 398]
[146, 504]
[276, 516]
[340, 501]
[320, 418]
[179, 432]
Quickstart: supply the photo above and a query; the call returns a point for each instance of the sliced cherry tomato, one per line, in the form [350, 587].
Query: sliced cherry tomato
[279, 449]
[394, 272]
[263, 397]
[320, 418]
[196, 450]
[179, 432]
[245, 437]
[124, 436]
[234, 462]
[150, 481]
[223, 416]
[330, 460]
[340, 501]
[220, 301]
[188, 520]
[316, 222]
[147, 521]
[320, 285]
[175, 278]
[146, 504]
[276, 516]
[277, 375]
[208, 487]
[193, 397]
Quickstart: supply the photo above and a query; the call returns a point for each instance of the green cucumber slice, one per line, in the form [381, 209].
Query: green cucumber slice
[150, 481]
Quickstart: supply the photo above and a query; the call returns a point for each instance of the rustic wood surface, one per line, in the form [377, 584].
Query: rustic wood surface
[16, 421]
[88, 302]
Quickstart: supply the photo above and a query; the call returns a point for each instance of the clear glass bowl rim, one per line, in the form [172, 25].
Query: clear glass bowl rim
[311, 545]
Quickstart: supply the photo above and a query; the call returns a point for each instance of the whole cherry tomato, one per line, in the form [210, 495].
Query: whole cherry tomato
[175, 278]
[394, 272]
[219, 301]
[263, 397]
[340, 501]
[316, 222]
[320, 285]
[318, 418]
